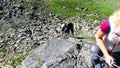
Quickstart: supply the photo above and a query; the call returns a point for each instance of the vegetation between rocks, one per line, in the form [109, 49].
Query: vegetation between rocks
[65, 9]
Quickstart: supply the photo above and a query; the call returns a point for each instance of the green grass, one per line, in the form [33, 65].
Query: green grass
[15, 62]
[88, 37]
[63, 7]
[3, 49]
[36, 3]
[66, 8]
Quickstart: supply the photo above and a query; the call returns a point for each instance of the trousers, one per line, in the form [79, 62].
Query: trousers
[97, 60]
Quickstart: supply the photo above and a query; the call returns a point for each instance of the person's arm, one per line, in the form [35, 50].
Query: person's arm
[99, 39]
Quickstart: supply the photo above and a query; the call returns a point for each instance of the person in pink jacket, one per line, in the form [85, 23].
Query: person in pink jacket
[108, 43]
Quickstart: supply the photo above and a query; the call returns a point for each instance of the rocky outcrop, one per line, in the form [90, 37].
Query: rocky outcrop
[60, 53]
[23, 28]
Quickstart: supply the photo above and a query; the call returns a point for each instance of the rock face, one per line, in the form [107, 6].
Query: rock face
[24, 28]
[60, 53]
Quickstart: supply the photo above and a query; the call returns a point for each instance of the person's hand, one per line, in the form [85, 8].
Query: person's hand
[109, 60]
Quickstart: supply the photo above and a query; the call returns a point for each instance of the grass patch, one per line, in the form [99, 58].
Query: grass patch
[67, 8]
[36, 3]
[15, 26]
[63, 7]
[88, 37]
[3, 49]
[15, 62]
[19, 58]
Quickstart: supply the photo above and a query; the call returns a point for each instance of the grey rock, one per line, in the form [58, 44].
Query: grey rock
[34, 8]
[1, 8]
[57, 53]
[15, 18]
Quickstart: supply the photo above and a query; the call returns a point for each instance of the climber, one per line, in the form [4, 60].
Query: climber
[67, 28]
[108, 43]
